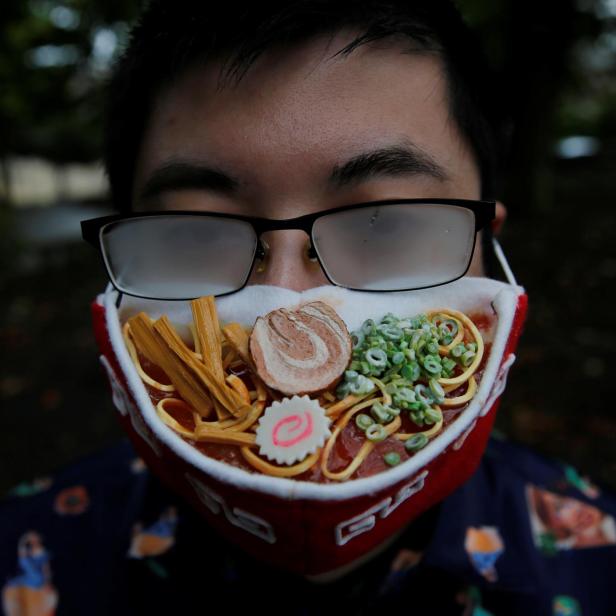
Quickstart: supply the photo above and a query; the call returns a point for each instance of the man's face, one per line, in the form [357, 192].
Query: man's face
[284, 135]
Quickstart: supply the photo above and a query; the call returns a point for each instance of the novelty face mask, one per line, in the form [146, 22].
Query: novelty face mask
[311, 427]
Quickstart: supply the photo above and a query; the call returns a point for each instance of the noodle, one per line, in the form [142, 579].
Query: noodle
[279, 471]
[429, 433]
[132, 350]
[232, 425]
[463, 399]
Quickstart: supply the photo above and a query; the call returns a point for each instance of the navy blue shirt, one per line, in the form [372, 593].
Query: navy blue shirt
[524, 535]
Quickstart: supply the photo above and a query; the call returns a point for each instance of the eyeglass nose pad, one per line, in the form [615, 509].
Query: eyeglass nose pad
[262, 249]
[311, 252]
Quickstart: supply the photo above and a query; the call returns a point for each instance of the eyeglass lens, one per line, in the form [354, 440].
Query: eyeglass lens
[398, 246]
[381, 248]
[179, 257]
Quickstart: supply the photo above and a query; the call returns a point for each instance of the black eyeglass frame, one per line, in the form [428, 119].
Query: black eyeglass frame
[92, 231]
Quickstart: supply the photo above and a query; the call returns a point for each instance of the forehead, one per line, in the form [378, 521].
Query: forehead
[299, 110]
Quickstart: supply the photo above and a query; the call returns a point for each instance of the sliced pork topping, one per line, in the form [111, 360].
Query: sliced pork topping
[300, 351]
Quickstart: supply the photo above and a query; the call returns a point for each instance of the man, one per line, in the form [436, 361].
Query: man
[412, 120]
[280, 110]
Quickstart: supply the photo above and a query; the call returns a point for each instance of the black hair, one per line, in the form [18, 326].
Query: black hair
[174, 35]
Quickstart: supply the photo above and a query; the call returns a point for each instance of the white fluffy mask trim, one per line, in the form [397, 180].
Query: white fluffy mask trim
[468, 295]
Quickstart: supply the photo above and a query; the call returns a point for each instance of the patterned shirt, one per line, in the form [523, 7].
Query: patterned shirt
[524, 535]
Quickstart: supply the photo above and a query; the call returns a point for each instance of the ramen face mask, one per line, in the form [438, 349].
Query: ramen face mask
[310, 428]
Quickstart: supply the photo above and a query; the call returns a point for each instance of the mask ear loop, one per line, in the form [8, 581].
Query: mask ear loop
[500, 255]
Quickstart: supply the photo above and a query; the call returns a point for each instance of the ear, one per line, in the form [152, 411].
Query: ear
[499, 218]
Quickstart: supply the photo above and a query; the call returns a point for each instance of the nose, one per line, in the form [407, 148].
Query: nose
[287, 262]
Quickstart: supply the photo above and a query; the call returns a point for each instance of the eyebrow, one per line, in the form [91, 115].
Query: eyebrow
[184, 174]
[404, 159]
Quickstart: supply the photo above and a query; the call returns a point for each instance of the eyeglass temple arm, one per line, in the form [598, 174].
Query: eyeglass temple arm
[482, 218]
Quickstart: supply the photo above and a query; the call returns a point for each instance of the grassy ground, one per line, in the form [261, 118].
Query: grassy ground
[54, 400]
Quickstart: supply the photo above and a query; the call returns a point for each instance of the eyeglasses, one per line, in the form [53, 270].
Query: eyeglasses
[387, 245]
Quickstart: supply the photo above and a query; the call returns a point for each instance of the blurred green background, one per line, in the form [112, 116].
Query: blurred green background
[556, 60]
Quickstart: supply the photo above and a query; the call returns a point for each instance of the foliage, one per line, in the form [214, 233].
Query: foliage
[54, 58]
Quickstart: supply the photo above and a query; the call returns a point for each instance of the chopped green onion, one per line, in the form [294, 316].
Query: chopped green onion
[392, 458]
[417, 417]
[432, 416]
[424, 394]
[367, 326]
[363, 421]
[391, 332]
[342, 390]
[467, 358]
[357, 339]
[376, 357]
[417, 405]
[381, 412]
[397, 358]
[448, 327]
[391, 388]
[411, 371]
[437, 390]
[448, 364]
[362, 385]
[458, 350]
[404, 394]
[375, 433]
[432, 364]
[416, 442]
[432, 348]
[392, 372]
[393, 411]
